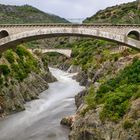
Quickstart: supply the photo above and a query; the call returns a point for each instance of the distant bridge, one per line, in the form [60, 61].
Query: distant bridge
[75, 20]
[12, 35]
[66, 52]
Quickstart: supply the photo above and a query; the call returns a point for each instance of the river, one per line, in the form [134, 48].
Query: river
[41, 119]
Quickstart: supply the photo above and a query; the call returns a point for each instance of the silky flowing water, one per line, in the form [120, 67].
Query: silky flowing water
[41, 119]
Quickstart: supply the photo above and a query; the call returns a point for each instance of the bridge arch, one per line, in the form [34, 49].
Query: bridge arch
[66, 52]
[135, 34]
[3, 34]
[15, 39]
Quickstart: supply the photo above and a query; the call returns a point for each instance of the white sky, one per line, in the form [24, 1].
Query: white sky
[68, 8]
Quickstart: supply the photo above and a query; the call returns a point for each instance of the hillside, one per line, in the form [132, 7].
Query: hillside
[124, 13]
[26, 14]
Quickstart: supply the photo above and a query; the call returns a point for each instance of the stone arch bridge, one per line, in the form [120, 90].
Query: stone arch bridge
[12, 35]
[66, 52]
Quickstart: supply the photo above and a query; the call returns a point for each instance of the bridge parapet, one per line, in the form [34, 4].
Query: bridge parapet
[113, 28]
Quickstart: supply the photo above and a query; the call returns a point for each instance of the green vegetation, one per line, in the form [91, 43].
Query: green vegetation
[4, 69]
[130, 75]
[19, 64]
[128, 124]
[116, 94]
[9, 55]
[124, 13]
[89, 99]
[53, 58]
[89, 53]
[26, 14]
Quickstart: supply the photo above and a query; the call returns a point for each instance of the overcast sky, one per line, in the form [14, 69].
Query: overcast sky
[68, 8]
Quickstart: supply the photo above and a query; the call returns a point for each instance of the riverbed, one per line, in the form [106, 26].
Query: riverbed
[41, 119]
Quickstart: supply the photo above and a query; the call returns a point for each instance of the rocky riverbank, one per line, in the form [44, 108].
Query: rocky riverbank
[21, 83]
[90, 126]
[17, 94]
[87, 124]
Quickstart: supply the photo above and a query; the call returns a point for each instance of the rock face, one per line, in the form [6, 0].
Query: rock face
[64, 66]
[79, 98]
[90, 127]
[74, 69]
[82, 78]
[19, 93]
[68, 121]
[13, 97]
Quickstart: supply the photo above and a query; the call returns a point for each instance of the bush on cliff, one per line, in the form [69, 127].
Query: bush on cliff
[117, 93]
[21, 63]
[9, 55]
[90, 98]
[4, 69]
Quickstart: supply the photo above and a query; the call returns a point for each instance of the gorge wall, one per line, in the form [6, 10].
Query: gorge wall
[22, 77]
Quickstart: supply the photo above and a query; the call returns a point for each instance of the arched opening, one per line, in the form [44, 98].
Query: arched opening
[3, 34]
[134, 35]
[53, 58]
[53, 52]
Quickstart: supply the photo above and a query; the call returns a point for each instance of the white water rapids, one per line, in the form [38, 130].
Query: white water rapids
[41, 119]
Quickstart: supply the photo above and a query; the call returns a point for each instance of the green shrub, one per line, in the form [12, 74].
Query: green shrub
[138, 123]
[4, 69]
[116, 57]
[84, 111]
[19, 73]
[9, 55]
[130, 76]
[137, 94]
[128, 124]
[1, 80]
[116, 93]
[89, 99]
[115, 106]
[45, 60]
[22, 51]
